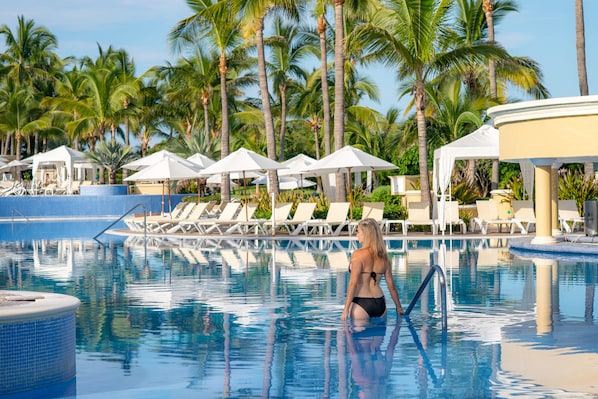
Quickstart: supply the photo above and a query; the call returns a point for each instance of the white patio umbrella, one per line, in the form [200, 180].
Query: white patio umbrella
[243, 161]
[349, 159]
[165, 170]
[217, 178]
[287, 182]
[202, 162]
[156, 157]
[15, 166]
[296, 166]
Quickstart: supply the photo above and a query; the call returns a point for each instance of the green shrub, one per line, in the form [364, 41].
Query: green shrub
[393, 208]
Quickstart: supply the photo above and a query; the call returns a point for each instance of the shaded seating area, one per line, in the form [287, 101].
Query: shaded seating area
[488, 216]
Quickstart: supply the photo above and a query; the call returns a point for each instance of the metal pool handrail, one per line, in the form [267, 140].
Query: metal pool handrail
[422, 287]
[125, 214]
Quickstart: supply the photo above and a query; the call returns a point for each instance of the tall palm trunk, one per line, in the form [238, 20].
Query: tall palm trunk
[263, 81]
[18, 143]
[422, 140]
[339, 92]
[325, 91]
[582, 73]
[125, 172]
[205, 102]
[283, 120]
[225, 133]
[488, 9]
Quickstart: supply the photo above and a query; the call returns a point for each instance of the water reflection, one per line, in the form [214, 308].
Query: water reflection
[250, 318]
[370, 364]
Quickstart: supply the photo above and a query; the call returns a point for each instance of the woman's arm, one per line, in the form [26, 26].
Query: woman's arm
[356, 268]
[392, 289]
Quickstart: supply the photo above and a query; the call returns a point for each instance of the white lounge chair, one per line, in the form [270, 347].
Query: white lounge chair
[135, 223]
[487, 216]
[282, 211]
[229, 225]
[198, 210]
[336, 217]
[418, 214]
[371, 210]
[451, 216]
[200, 225]
[524, 216]
[303, 213]
[569, 217]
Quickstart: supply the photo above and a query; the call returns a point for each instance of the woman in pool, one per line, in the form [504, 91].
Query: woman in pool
[365, 298]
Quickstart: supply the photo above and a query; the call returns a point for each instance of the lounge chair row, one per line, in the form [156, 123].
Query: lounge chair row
[234, 218]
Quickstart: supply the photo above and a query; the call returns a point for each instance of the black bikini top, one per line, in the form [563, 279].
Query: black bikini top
[372, 274]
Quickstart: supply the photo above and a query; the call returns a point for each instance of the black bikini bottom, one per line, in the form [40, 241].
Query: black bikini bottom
[375, 307]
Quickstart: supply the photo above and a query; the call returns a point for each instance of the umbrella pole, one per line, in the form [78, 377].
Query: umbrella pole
[169, 201]
[198, 192]
[350, 194]
[162, 198]
[245, 195]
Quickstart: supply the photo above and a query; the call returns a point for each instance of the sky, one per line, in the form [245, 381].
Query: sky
[543, 30]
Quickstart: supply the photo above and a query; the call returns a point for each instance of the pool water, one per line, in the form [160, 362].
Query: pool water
[215, 318]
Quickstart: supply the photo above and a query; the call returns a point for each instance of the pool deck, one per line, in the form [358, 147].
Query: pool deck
[569, 246]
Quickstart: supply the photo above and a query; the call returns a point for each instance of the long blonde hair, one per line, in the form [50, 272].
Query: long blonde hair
[372, 238]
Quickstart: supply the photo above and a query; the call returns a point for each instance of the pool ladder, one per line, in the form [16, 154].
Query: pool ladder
[125, 214]
[422, 287]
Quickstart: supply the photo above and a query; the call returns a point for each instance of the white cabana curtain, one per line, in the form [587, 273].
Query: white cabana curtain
[480, 144]
[63, 158]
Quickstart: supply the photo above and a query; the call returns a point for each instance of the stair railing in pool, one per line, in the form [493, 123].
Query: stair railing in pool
[12, 214]
[125, 214]
[422, 287]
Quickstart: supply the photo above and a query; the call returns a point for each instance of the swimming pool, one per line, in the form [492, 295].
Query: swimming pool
[257, 318]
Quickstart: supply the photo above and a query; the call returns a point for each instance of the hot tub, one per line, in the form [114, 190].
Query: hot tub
[37, 340]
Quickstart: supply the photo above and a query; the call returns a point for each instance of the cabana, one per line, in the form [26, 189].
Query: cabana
[63, 159]
[480, 144]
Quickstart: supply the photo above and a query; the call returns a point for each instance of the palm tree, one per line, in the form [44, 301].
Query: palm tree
[582, 73]
[339, 91]
[414, 35]
[112, 155]
[285, 69]
[214, 21]
[29, 60]
[19, 112]
[255, 13]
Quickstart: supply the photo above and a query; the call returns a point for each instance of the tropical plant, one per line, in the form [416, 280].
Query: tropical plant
[213, 21]
[573, 185]
[112, 155]
[393, 208]
[415, 36]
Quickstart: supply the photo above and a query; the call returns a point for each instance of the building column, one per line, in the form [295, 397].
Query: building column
[554, 178]
[543, 206]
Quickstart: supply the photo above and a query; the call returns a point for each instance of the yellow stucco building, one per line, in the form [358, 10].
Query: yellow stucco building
[549, 133]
